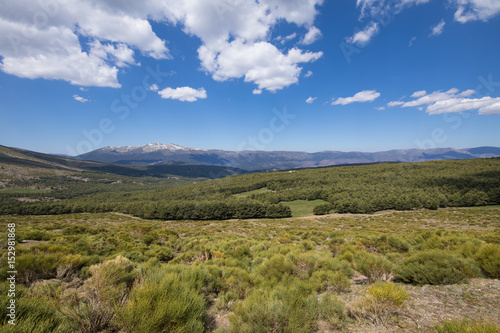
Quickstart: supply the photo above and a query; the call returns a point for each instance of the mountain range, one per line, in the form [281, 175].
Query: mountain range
[171, 154]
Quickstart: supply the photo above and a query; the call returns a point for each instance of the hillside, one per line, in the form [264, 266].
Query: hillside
[154, 154]
[30, 177]
[341, 189]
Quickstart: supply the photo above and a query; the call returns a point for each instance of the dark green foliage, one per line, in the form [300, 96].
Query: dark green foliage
[346, 189]
[436, 267]
[322, 209]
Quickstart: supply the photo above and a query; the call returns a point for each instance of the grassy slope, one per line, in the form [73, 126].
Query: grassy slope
[196, 244]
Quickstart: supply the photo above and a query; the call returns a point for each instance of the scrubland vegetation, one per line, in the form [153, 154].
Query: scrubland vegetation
[410, 271]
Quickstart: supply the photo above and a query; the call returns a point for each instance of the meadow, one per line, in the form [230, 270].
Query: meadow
[391, 271]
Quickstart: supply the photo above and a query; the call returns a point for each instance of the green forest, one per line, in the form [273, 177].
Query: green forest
[341, 189]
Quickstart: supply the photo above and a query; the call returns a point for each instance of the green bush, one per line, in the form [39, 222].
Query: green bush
[375, 268]
[467, 326]
[33, 314]
[436, 267]
[292, 308]
[322, 209]
[111, 280]
[488, 259]
[381, 302]
[168, 306]
[332, 310]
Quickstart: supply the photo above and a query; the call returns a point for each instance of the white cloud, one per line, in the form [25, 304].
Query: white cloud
[362, 96]
[41, 39]
[451, 101]
[484, 105]
[438, 29]
[153, 87]
[257, 92]
[473, 10]
[467, 10]
[310, 100]
[419, 93]
[311, 36]
[412, 41]
[384, 8]
[185, 94]
[309, 73]
[119, 54]
[285, 39]
[261, 63]
[364, 36]
[380, 108]
[234, 30]
[55, 49]
[80, 99]
[395, 103]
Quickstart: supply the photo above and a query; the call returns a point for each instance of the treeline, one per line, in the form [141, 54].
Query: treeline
[345, 189]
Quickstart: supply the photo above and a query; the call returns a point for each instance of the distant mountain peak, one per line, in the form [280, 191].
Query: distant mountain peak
[148, 148]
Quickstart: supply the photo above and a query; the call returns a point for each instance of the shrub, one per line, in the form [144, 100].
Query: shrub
[381, 301]
[336, 281]
[33, 314]
[290, 308]
[375, 268]
[322, 209]
[169, 306]
[332, 310]
[111, 280]
[467, 326]
[488, 259]
[436, 267]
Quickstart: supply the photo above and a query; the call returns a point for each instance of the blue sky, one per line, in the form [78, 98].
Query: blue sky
[306, 75]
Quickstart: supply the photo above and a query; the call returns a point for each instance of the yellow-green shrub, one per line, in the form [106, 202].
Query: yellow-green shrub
[168, 306]
[466, 326]
[436, 267]
[488, 258]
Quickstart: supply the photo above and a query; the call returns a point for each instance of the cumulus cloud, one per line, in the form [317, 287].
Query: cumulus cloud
[80, 99]
[257, 92]
[235, 34]
[362, 96]
[309, 73]
[184, 94]
[450, 101]
[310, 100]
[153, 87]
[84, 42]
[43, 40]
[364, 36]
[260, 62]
[311, 36]
[438, 29]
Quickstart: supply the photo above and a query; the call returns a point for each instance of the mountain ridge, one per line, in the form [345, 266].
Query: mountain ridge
[170, 154]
